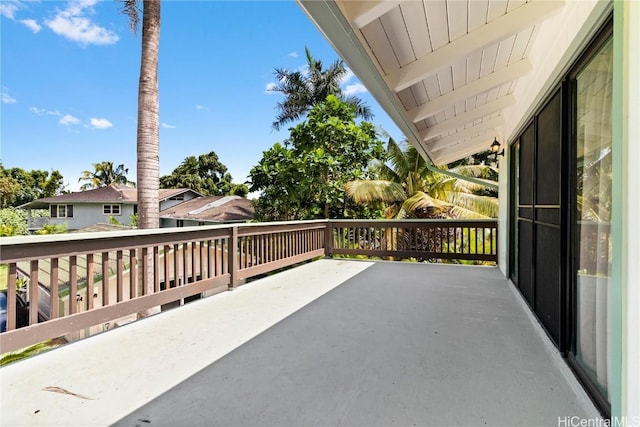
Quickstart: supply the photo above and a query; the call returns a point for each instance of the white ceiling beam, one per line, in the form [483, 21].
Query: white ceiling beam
[456, 153]
[469, 116]
[489, 125]
[495, 79]
[483, 140]
[519, 19]
[361, 13]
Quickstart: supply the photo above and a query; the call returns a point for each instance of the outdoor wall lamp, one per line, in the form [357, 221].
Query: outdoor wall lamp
[495, 149]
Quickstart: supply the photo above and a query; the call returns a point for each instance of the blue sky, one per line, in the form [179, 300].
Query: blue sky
[69, 81]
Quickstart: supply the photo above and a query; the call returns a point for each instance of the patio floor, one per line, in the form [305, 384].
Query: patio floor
[330, 343]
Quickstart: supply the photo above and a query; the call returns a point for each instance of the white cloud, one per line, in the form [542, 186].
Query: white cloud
[32, 25]
[6, 98]
[168, 126]
[100, 123]
[293, 54]
[8, 9]
[38, 111]
[201, 108]
[269, 88]
[348, 76]
[68, 119]
[73, 24]
[354, 89]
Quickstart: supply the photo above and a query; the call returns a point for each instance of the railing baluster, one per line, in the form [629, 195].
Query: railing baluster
[133, 273]
[90, 285]
[73, 284]
[105, 279]
[33, 293]
[11, 296]
[54, 305]
[119, 291]
[177, 272]
[156, 269]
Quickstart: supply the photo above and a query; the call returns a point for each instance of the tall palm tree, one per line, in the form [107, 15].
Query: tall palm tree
[409, 189]
[148, 133]
[304, 89]
[104, 174]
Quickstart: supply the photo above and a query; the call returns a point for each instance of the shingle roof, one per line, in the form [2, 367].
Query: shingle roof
[110, 194]
[113, 193]
[166, 193]
[212, 209]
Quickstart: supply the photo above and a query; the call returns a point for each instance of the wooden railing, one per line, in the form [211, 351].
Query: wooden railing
[88, 282]
[426, 240]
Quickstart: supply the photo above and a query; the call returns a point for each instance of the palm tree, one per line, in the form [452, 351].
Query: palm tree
[409, 189]
[148, 132]
[104, 174]
[304, 89]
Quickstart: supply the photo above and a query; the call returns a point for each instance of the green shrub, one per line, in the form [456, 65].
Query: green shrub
[53, 229]
[13, 222]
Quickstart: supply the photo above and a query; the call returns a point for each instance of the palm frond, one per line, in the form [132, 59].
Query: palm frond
[130, 8]
[422, 200]
[398, 159]
[462, 213]
[483, 205]
[375, 191]
[485, 172]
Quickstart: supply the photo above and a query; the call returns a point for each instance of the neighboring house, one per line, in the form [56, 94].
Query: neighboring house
[207, 210]
[87, 208]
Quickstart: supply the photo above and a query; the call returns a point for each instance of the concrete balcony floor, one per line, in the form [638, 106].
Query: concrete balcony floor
[330, 343]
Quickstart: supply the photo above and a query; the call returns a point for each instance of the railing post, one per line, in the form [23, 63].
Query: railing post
[233, 258]
[328, 239]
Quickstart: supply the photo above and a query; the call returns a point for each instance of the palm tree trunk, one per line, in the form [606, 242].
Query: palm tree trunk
[148, 134]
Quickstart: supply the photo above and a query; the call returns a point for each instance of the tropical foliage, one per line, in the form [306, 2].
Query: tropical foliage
[306, 180]
[205, 174]
[305, 89]
[104, 174]
[407, 188]
[18, 186]
[13, 222]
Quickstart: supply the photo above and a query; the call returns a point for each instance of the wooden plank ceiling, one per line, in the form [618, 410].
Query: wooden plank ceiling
[452, 65]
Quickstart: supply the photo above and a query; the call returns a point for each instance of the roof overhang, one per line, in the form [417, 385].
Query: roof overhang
[455, 74]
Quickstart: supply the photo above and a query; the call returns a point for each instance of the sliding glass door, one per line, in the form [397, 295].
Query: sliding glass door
[560, 213]
[592, 228]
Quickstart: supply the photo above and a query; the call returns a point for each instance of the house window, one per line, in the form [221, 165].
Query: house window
[61, 211]
[177, 197]
[111, 209]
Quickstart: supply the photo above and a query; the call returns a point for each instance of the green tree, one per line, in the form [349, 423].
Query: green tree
[205, 174]
[103, 175]
[407, 188]
[18, 186]
[306, 181]
[304, 89]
